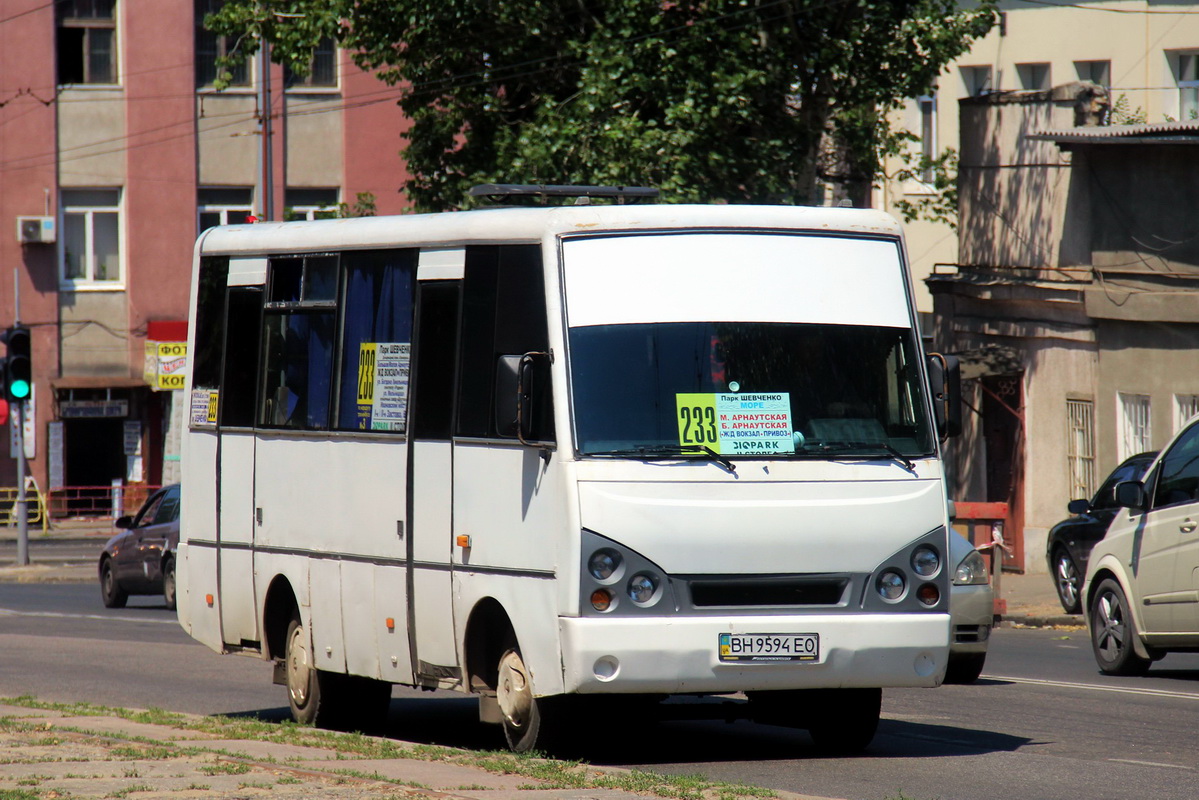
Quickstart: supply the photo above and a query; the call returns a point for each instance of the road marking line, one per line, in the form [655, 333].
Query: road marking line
[1096, 687]
[12, 612]
[1151, 763]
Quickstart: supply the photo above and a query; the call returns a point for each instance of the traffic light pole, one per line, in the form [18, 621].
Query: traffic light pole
[22, 506]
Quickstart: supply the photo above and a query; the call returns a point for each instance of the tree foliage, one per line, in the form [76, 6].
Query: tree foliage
[709, 100]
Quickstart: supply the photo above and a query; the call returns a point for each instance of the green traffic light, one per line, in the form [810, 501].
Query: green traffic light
[19, 389]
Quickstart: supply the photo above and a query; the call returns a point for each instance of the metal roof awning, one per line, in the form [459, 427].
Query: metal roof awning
[1185, 132]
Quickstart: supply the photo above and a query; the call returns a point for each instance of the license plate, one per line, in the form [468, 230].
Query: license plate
[769, 647]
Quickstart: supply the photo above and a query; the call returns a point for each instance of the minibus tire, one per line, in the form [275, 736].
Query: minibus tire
[530, 723]
[303, 679]
[847, 720]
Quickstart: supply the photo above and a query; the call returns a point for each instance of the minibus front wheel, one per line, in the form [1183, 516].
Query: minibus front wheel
[530, 722]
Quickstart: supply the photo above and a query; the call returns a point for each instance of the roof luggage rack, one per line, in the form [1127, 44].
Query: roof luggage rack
[513, 192]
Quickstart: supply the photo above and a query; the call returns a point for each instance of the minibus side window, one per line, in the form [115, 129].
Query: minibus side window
[298, 332]
[377, 340]
[240, 380]
[503, 313]
[210, 324]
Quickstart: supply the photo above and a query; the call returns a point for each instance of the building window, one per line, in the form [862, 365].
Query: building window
[211, 46]
[1186, 72]
[1185, 407]
[1099, 72]
[223, 207]
[87, 41]
[977, 80]
[91, 224]
[928, 134]
[1034, 77]
[310, 204]
[1136, 433]
[322, 70]
[1080, 446]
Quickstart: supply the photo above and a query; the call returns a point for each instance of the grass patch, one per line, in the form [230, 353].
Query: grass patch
[18, 794]
[225, 768]
[549, 773]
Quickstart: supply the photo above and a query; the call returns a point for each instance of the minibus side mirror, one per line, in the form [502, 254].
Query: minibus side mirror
[945, 378]
[517, 379]
[1130, 494]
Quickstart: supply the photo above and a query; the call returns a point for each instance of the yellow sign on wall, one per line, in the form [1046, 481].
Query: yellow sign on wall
[165, 365]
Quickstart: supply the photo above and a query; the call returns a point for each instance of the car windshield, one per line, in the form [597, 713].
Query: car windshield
[748, 388]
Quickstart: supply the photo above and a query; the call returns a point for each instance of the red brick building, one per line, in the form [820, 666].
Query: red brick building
[113, 139]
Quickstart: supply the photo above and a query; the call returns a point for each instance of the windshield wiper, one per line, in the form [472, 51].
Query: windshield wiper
[667, 450]
[833, 447]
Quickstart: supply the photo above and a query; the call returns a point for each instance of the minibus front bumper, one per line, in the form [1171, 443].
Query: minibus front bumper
[673, 655]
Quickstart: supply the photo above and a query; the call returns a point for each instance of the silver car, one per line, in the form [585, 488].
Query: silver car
[1140, 596]
[971, 610]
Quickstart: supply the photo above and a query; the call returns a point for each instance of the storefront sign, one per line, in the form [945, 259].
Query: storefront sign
[165, 365]
[93, 409]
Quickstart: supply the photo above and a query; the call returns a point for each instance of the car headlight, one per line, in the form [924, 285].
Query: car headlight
[971, 571]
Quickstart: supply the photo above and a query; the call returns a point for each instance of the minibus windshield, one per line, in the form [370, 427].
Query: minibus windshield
[748, 389]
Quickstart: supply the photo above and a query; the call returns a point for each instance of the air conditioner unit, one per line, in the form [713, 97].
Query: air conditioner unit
[36, 230]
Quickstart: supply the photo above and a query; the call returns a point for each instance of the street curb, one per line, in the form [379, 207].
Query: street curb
[1045, 621]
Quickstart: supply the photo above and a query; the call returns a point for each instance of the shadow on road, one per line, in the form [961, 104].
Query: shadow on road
[454, 722]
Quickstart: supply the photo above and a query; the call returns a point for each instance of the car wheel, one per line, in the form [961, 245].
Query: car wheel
[110, 588]
[1066, 579]
[1113, 632]
[965, 668]
[847, 720]
[168, 583]
[330, 699]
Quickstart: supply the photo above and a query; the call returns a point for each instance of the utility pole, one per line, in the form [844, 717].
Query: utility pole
[266, 148]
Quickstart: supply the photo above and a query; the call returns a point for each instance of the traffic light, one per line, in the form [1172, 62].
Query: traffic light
[18, 366]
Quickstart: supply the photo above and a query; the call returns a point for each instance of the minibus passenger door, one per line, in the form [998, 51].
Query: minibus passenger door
[235, 472]
[431, 480]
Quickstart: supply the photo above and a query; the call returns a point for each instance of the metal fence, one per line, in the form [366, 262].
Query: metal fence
[96, 502]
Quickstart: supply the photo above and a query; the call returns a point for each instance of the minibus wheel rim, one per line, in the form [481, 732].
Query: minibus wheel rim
[515, 691]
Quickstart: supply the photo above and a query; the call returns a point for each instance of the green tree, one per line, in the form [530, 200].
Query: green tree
[709, 100]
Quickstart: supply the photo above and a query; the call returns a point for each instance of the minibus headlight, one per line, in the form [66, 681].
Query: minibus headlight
[891, 585]
[603, 564]
[643, 588]
[928, 594]
[925, 561]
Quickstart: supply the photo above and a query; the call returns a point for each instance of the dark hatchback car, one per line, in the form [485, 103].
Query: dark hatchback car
[1071, 540]
[141, 558]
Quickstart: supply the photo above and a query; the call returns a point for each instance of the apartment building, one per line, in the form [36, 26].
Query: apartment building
[115, 152]
[1145, 52]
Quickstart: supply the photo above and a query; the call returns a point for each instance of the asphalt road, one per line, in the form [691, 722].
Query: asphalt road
[1041, 725]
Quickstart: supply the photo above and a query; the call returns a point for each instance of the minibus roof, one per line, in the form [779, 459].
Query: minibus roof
[508, 225]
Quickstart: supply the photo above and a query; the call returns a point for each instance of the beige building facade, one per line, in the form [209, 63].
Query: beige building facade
[1145, 52]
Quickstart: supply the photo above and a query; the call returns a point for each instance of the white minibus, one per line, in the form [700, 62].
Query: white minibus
[567, 454]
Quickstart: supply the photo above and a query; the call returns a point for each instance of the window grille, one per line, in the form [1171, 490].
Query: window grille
[1081, 447]
[1134, 425]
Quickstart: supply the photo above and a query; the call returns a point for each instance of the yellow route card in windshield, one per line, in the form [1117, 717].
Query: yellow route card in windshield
[736, 423]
